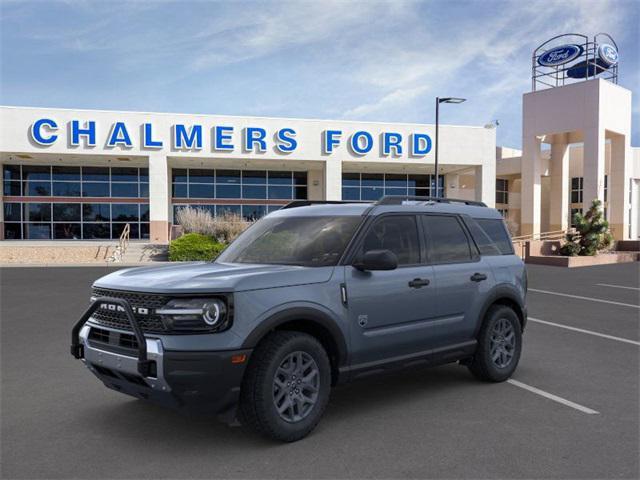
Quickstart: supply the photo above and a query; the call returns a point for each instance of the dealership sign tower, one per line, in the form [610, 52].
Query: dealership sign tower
[575, 99]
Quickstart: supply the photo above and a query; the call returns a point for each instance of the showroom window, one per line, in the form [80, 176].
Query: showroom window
[78, 202]
[74, 221]
[373, 186]
[576, 190]
[502, 190]
[66, 181]
[203, 187]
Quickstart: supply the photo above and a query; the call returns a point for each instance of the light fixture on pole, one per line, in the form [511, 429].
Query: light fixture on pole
[438, 102]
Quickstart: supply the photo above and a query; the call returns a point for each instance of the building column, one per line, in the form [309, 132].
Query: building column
[315, 189]
[159, 198]
[593, 167]
[485, 184]
[531, 186]
[559, 196]
[618, 187]
[452, 185]
[333, 179]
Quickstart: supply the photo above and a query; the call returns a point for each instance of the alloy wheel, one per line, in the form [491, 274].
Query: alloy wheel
[295, 386]
[503, 343]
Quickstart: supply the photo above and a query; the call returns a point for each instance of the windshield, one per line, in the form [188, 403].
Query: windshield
[306, 241]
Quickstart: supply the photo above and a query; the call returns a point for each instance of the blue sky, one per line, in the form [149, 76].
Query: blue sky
[366, 60]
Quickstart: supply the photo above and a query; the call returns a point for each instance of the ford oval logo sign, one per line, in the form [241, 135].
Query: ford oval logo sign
[608, 54]
[560, 55]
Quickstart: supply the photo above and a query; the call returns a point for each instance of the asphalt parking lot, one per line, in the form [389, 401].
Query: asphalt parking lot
[572, 411]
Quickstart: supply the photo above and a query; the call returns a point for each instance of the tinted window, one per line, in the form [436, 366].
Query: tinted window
[37, 189]
[280, 178]
[11, 172]
[98, 174]
[66, 173]
[95, 189]
[198, 175]
[308, 241]
[36, 172]
[71, 231]
[124, 174]
[66, 189]
[280, 192]
[96, 212]
[124, 189]
[484, 243]
[497, 232]
[12, 189]
[124, 212]
[447, 241]
[37, 212]
[398, 234]
[66, 212]
[12, 212]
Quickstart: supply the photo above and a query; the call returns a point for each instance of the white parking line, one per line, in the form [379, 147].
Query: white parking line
[584, 298]
[581, 330]
[553, 397]
[616, 286]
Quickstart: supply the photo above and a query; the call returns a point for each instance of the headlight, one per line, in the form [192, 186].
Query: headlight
[195, 314]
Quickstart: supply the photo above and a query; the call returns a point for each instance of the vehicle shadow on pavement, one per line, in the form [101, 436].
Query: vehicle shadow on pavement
[375, 395]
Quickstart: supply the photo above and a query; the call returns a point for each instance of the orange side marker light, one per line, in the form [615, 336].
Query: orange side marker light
[238, 358]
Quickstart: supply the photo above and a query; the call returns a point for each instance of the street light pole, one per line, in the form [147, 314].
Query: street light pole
[437, 142]
[438, 102]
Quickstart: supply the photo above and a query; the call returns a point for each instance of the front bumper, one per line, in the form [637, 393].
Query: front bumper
[194, 381]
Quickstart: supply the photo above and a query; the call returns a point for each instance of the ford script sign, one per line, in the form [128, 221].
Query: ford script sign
[560, 55]
[608, 54]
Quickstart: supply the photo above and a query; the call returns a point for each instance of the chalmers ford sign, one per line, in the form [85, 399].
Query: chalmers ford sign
[222, 138]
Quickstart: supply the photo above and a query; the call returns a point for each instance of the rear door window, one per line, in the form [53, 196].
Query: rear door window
[497, 232]
[447, 240]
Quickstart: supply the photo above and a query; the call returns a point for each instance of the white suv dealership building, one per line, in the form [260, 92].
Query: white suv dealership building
[85, 174]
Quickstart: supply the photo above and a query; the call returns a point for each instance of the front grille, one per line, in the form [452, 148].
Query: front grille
[116, 319]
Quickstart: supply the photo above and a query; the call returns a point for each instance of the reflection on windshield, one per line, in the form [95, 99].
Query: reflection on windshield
[307, 241]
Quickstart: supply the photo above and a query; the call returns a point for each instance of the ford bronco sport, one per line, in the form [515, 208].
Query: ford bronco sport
[310, 296]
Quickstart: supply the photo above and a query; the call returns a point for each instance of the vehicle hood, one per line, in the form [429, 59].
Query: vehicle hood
[200, 277]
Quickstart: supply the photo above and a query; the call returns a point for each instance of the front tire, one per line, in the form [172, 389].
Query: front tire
[286, 387]
[499, 345]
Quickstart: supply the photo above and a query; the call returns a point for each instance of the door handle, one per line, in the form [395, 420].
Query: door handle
[478, 277]
[419, 282]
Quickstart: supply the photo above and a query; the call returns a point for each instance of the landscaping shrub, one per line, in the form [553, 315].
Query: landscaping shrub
[194, 247]
[223, 228]
[591, 235]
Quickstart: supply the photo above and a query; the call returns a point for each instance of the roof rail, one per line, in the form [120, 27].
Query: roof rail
[399, 199]
[306, 203]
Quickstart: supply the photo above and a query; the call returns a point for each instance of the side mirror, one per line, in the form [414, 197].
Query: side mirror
[377, 260]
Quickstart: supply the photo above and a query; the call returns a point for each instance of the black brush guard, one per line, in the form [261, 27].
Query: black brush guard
[77, 350]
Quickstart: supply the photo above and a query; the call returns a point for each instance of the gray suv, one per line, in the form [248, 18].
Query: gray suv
[315, 294]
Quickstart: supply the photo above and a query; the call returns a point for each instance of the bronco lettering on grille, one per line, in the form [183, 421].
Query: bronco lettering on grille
[117, 308]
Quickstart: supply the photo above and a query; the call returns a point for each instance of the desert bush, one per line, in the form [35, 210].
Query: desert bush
[223, 228]
[228, 226]
[194, 247]
[591, 233]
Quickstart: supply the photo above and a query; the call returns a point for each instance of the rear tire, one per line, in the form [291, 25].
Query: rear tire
[286, 387]
[499, 345]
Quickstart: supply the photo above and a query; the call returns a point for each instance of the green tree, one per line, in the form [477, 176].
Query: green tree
[592, 233]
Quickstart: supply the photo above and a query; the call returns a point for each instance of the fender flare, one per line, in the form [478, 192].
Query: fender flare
[498, 293]
[308, 314]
